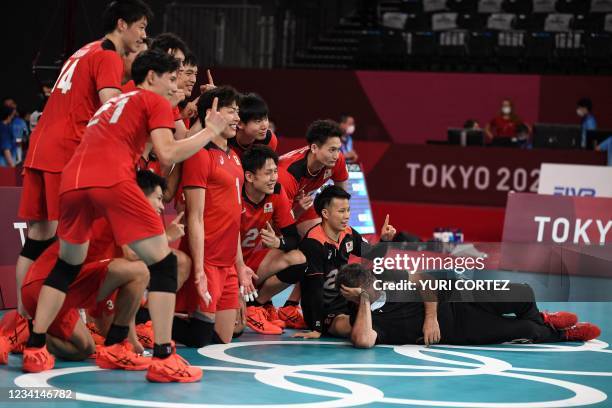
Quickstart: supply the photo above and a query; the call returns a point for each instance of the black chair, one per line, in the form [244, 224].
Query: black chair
[573, 6]
[510, 44]
[462, 6]
[529, 22]
[569, 46]
[481, 45]
[540, 46]
[518, 6]
[418, 22]
[453, 43]
[423, 44]
[598, 47]
[472, 22]
[412, 6]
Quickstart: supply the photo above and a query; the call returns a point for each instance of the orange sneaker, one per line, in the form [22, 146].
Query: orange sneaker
[173, 369]
[36, 360]
[120, 356]
[582, 332]
[144, 331]
[96, 334]
[5, 347]
[292, 316]
[272, 315]
[258, 321]
[15, 328]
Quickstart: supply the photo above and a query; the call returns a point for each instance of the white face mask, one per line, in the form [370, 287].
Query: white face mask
[350, 130]
[506, 110]
[579, 112]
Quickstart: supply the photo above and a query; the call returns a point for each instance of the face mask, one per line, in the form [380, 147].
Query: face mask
[579, 112]
[506, 110]
[350, 130]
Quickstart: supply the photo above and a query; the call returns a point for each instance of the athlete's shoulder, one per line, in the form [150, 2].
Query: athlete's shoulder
[317, 234]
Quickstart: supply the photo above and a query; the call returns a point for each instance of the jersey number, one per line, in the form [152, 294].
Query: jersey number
[116, 114]
[249, 238]
[64, 81]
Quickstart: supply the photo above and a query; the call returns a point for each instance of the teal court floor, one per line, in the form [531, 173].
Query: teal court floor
[278, 371]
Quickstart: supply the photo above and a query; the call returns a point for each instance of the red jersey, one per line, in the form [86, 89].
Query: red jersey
[270, 140]
[115, 139]
[176, 114]
[73, 101]
[502, 127]
[129, 86]
[102, 246]
[275, 207]
[294, 176]
[221, 174]
[152, 164]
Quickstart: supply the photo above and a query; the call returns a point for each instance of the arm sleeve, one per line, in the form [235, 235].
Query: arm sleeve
[107, 70]
[196, 170]
[312, 284]
[340, 173]
[159, 114]
[364, 249]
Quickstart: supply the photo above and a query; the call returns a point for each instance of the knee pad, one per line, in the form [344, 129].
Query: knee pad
[62, 275]
[164, 275]
[192, 332]
[33, 248]
[292, 274]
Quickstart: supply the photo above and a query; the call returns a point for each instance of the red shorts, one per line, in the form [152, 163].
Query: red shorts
[254, 259]
[40, 195]
[124, 206]
[222, 287]
[309, 214]
[82, 294]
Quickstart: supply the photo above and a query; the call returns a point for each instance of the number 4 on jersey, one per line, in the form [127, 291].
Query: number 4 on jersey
[64, 82]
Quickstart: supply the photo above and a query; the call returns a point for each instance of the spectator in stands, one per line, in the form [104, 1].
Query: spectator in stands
[43, 95]
[584, 109]
[471, 124]
[504, 124]
[19, 129]
[347, 124]
[6, 138]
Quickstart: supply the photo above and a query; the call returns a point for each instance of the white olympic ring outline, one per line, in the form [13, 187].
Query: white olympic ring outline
[360, 394]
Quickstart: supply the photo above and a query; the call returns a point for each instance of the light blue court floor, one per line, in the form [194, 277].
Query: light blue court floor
[278, 371]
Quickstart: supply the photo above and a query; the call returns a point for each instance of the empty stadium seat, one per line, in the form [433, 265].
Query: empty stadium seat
[517, 6]
[569, 45]
[539, 46]
[462, 6]
[544, 6]
[472, 21]
[444, 21]
[430, 6]
[500, 21]
[557, 22]
[490, 6]
[601, 6]
[573, 6]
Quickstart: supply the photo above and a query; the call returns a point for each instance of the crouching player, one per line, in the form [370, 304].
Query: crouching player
[264, 205]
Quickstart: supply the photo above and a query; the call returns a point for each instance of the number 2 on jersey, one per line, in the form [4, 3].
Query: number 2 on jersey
[118, 109]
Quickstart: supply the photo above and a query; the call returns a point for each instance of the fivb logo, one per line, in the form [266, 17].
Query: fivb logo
[574, 191]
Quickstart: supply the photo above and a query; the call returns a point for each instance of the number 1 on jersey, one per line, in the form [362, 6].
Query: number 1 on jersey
[64, 81]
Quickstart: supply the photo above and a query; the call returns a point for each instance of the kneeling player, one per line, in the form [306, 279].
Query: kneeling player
[378, 321]
[264, 202]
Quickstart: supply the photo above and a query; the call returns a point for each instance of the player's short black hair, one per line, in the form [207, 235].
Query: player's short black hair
[585, 103]
[129, 11]
[252, 107]
[322, 129]
[354, 275]
[169, 41]
[226, 94]
[155, 60]
[327, 194]
[256, 156]
[148, 181]
[191, 60]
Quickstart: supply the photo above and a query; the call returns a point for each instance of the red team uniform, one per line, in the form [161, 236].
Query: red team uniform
[274, 208]
[221, 174]
[73, 101]
[294, 176]
[100, 179]
[84, 290]
[270, 140]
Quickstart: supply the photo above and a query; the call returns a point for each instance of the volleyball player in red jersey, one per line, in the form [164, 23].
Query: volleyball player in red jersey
[89, 78]
[304, 171]
[253, 128]
[212, 183]
[90, 188]
[264, 203]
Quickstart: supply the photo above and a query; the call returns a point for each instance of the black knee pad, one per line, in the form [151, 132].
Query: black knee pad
[292, 274]
[62, 275]
[164, 274]
[192, 332]
[33, 248]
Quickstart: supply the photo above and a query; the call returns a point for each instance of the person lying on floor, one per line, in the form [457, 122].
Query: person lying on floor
[377, 321]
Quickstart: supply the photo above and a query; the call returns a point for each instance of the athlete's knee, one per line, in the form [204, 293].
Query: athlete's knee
[183, 266]
[292, 274]
[42, 230]
[62, 275]
[296, 257]
[164, 275]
